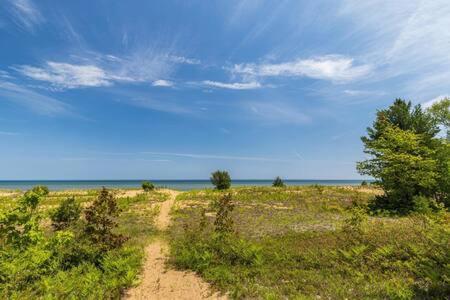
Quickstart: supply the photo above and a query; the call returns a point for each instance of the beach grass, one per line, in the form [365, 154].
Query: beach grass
[311, 242]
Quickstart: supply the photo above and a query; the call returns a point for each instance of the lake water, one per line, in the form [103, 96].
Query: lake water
[182, 185]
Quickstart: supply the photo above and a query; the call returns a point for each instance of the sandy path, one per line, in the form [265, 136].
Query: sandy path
[159, 282]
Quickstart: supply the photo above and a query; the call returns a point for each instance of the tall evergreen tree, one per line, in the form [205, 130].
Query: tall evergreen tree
[407, 159]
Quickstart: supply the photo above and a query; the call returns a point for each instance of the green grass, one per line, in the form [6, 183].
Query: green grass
[304, 243]
[38, 271]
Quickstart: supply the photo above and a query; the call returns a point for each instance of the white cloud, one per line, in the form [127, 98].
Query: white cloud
[25, 14]
[67, 75]
[363, 93]
[162, 83]
[5, 75]
[184, 60]
[95, 70]
[429, 103]
[233, 86]
[413, 41]
[32, 100]
[331, 67]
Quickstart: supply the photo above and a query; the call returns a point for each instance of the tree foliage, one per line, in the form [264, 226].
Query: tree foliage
[221, 180]
[66, 214]
[41, 190]
[407, 158]
[440, 111]
[101, 221]
[278, 182]
[148, 186]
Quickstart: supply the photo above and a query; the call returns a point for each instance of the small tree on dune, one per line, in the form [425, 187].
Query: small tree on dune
[148, 186]
[221, 180]
[101, 220]
[278, 182]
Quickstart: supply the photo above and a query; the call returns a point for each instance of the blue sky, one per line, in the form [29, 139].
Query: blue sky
[177, 89]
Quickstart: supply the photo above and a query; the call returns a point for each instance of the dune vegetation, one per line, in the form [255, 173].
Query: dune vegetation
[77, 244]
[309, 242]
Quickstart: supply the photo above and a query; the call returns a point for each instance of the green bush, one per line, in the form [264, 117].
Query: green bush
[148, 186]
[101, 220]
[278, 182]
[408, 159]
[221, 180]
[224, 222]
[42, 190]
[70, 263]
[66, 214]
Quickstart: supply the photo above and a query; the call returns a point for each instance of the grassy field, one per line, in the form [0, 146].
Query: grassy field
[63, 265]
[311, 243]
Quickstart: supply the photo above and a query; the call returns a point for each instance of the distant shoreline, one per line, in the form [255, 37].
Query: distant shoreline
[178, 184]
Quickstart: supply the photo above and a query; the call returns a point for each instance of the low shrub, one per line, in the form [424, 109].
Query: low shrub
[148, 186]
[278, 182]
[67, 213]
[42, 190]
[224, 222]
[101, 220]
[221, 180]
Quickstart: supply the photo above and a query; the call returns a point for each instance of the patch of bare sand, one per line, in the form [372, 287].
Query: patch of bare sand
[160, 282]
[8, 193]
[129, 193]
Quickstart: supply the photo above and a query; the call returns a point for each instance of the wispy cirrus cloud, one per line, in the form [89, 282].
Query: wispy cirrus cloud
[413, 41]
[335, 68]
[66, 75]
[276, 113]
[25, 14]
[31, 100]
[163, 83]
[218, 157]
[184, 60]
[8, 133]
[233, 85]
[430, 102]
[97, 70]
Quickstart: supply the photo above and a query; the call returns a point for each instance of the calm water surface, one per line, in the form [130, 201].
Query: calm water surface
[182, 185]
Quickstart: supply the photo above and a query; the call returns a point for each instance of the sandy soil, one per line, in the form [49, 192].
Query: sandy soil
[159, 282]
[129, 193]
[8, 193]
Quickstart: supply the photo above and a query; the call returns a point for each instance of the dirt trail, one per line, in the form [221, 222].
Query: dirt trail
[159, 282]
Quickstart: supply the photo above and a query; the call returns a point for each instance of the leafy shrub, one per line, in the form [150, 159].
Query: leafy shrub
[19, 227]
[221, 180]
[67, 213]
[364, 183]
[356, 220]
[101, 220]
[42, 190]
[278, 182]
[148, 186]
[224, 221]
[65, 264]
